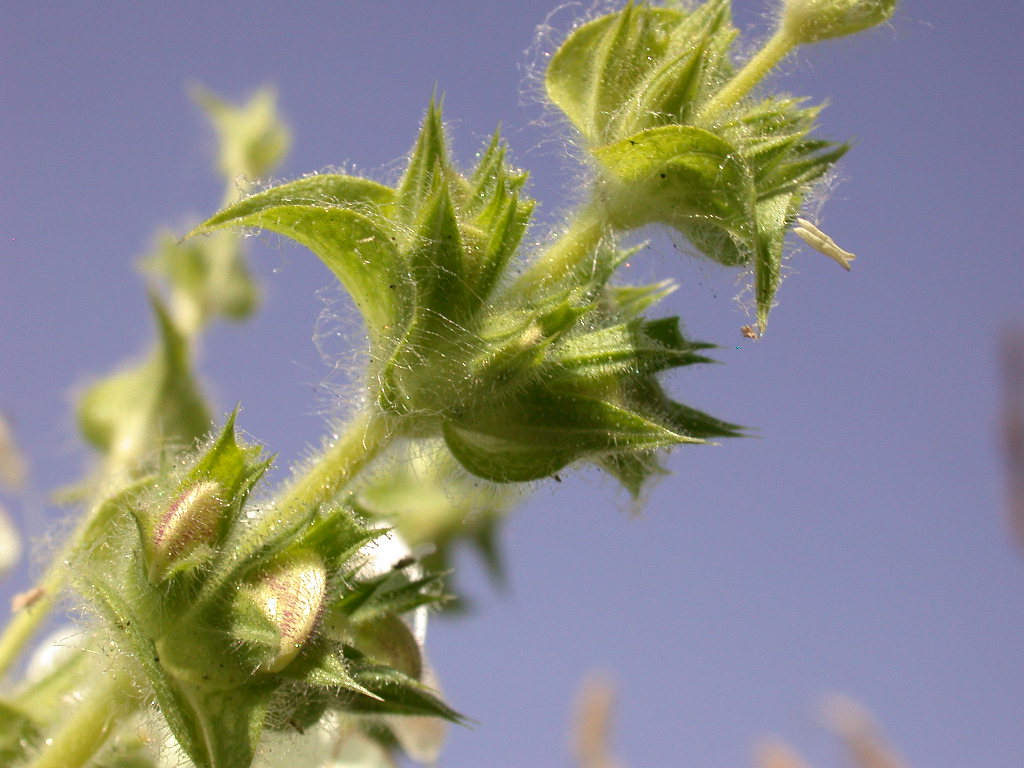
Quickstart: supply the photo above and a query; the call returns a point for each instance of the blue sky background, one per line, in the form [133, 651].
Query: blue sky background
[858, 546]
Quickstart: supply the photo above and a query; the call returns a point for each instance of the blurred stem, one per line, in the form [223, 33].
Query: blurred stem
[363, 440]
[85, 732]
[25, 622]
[774, 51]
[576, 243]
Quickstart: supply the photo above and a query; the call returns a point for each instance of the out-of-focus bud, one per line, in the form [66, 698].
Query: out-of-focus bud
[421, 738]
[10, 543]
[290, 595]
[191, 519]
[252, 138]
[13, 467]
[809, 21]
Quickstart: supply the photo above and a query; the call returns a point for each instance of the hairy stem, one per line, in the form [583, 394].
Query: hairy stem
[89, 726]
[776, 49]
[572, 247]
[361, 442]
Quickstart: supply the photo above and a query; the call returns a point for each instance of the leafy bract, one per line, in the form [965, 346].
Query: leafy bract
[645, 65]
[331, 214]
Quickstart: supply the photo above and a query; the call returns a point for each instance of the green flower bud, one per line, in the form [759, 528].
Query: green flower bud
[809, 21]
[191, 519]
[290, 595]
[386, 638]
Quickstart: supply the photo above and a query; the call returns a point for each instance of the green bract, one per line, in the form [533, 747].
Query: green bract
[518, 381]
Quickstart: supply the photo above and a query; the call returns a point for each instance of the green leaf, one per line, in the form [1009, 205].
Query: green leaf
[648, 396]
[337, 218]
[323, 190]
[490, 182]
[494, 219]
[323, 665]
[336, 536]
[138, 756]
[811, 22]
[438, 266]
[515, 341]
[637, 348]
[542, 431]
[43, 699]
[236, 468]
[395, 693]
[223, 727]
[630, 301]
[673, 82]
[205, 278]
[211, 699]
[505, 222]
[388, 640]
[639, 68]
[690, 421]
[773, 217]
[144, 655]
[391, 592]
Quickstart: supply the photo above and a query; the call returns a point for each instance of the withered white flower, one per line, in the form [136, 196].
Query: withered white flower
[821, 242]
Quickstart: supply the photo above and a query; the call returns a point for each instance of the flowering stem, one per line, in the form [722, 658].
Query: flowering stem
[85, 732]
[362, 441]
[776, 49]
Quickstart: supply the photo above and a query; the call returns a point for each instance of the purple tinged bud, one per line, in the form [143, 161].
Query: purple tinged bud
[291, 595]
[192, 519]
[809, 21]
